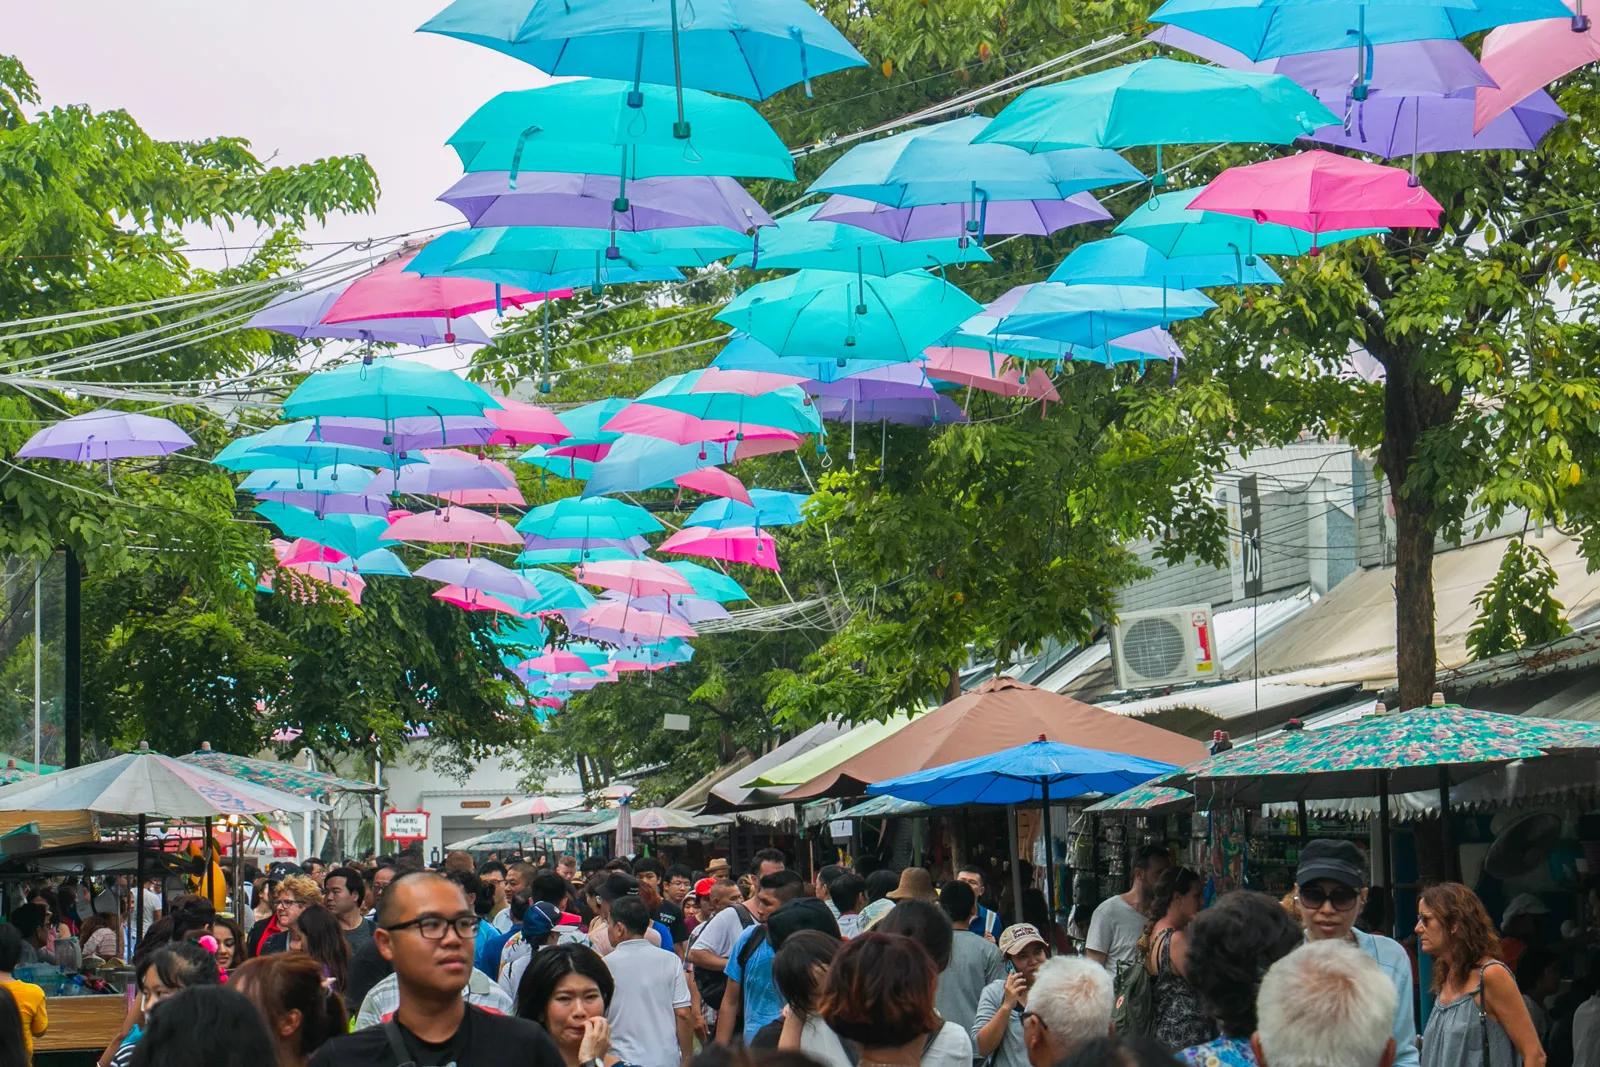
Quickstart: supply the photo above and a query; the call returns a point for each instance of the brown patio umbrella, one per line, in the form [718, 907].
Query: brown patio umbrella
[1001, 713]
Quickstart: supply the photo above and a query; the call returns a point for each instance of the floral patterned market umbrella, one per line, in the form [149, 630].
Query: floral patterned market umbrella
[1143, 799]
[276, 775]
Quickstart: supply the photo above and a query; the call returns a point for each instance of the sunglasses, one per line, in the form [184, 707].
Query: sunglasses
[1343, 898]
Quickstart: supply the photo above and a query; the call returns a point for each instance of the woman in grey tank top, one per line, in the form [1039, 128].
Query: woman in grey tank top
[1478, 1018]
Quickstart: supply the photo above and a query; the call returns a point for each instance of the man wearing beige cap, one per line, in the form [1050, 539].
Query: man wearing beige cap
[997, 1025]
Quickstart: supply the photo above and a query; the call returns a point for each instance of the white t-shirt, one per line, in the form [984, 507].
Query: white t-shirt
[952, 1047]
[649, 986]
[502, 921]
[818, 1041]
[720, 934]
[152, 904]
[1115, 930]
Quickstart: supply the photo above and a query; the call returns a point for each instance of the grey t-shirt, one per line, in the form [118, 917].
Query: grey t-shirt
[1012, 1052]
[1115, 930]
[974, 963]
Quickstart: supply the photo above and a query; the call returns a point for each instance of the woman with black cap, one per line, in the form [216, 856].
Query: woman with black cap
[1331, 890]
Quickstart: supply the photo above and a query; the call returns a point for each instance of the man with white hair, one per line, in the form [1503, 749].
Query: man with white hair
[1326, 1004]
[1069, 1004]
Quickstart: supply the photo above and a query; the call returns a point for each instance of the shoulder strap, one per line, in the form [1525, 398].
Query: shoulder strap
[746, 920]
[755, 941]
[397, 1044]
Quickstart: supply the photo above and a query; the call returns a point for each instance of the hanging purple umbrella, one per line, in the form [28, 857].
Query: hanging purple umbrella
[330, 503]
[300, 315]
[404, 434]
[444, 472]
[691, 609]
[1038, 218]
[1413, 68]
[538, 549]
[898, 381]
[938, 409]
[544, 198]
[484, 575]
[1388, 124]
[105, 435]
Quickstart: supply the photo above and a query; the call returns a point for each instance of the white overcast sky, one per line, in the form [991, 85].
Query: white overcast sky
[299, 79]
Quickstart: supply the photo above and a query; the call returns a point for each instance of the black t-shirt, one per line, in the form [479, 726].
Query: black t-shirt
[484, 1039]
[671, 916]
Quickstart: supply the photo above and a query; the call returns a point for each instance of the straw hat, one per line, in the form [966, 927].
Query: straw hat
[915, 884]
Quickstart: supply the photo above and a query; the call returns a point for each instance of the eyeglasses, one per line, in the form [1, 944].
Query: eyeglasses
[1343, 898]
[1026, 1015]
[433, 927]
[288, 902]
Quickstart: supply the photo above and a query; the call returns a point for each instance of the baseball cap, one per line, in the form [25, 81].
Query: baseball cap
[540, 918]
[703, 888]
[1337, 861]
[1015, 938]
[618, 885]
[1523, 904]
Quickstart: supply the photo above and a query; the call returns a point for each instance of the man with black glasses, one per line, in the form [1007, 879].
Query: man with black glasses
[426, 928]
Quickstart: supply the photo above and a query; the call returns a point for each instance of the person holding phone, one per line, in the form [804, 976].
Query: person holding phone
[997, 1025]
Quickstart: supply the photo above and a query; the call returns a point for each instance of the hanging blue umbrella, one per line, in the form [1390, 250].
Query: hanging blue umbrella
[541, 249]
[593, 517]
[297, 444]
[555, 592]
[1123, 260]
[767, 507]
[746, 353]
[638, 462]
[386, 389]
[709, 583]
[1166, 223]
[1095, 314]
[342, 478]
[539, 550]
[354, 535]
[799, 241]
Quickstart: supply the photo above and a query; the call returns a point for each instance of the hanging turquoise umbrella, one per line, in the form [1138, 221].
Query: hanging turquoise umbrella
[767, 507]
[386, 389]
[637, 462]
[817, 313]
[556, 592]
[572, 468]
[594, 517]
[983, 332]
[784, 408]
[297, 444]
[746, 353]
[1166, 224]
[1158, 102]
[552, 249]
[799, 241]
[1095, 314]
[354, 535]
[541, 550]
[594, 127]
[709, 583]
[341, 478]
[1124, 260]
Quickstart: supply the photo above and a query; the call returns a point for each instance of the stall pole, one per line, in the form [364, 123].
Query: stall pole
[72, 653]
[38, 654]
[138, 885]
[205, 857]
[1386, 847]
[1049, 871]
[1452, 861]
[1016, 867]
[1304, 832]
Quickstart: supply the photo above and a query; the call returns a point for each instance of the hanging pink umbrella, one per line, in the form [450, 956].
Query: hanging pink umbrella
[1320, 192]
[347, 582]
[714, 481]
[691, 609]
[974, 368]
[520, 424]
[388, 292]
[649, 420]
[743, 382]
[1040, 387]
[1525, 57]
[620, 617]
[558, 661]
[476, 600]
[736, 544]
[639, 577]
[305, 550]
[452, 525]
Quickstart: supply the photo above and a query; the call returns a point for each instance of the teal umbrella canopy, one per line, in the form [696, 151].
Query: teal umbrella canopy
[709, 583]
[354, 535]
[637, 462]
[342, 478]
[587, 422]
[573, 468]
[784, 408]
[1124, 260]
[296, 444]
[942, 164]
[556, 592]
[1166, 224]
[550, 250]
[818, 314]
[386, 389]
[746, 353]
[592, 517]
[588, 127]
[1156, 102]
[1096, 314]
[799, 241]
[767, 507]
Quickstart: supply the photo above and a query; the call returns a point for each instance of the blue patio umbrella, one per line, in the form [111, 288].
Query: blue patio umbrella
[709, 583]
[540, 550]
[746, 353]
[1095, 314]
[1038, 772]
[767, 507]
[1123, 260]
[799, 241]
[553, 249]
[816, 314]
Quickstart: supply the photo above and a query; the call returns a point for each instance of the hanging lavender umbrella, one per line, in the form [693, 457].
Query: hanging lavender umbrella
[1038, 218]
[690, 609]
[1388, 124]
[301, 314]
[102, 436]
[934, 411]
[405, 434]
[483, 575]
[898, 381]
[547, 198]
[330, 503]
[444, 472]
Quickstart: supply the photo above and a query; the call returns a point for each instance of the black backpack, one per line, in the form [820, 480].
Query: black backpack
[712, 984]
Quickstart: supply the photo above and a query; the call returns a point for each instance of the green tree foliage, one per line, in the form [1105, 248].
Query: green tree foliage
[1518, 607]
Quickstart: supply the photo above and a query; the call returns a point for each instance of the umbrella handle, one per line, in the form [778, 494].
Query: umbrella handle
[620, 204]
[680, 129]
[1580, 21]
[636, 95]
[805, 72]
[516, 154]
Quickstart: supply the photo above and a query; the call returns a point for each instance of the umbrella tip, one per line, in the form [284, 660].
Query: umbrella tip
[1042, 737]
[205, 746]
[1438, 699]
[144, 746]
[1380, 708]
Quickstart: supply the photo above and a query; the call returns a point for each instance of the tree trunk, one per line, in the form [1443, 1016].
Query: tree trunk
[952, 688]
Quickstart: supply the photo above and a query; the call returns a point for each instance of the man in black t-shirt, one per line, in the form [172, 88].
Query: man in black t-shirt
[650, 872]
[427, 930]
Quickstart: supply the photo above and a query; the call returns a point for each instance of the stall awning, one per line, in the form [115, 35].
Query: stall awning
[726, 795]
[830, 754]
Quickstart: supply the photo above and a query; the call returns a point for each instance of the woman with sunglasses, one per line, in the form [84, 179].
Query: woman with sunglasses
[1331, 890]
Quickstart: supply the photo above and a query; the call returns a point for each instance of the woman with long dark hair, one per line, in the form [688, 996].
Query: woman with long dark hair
[1478, 1017]
[101, 935]
[204, 1027]
[318, 934]
[799, 970]
[232, 949]
[166, 970]
[1180, 1021]
[879, 993]
[567, 990]
[301, 1012]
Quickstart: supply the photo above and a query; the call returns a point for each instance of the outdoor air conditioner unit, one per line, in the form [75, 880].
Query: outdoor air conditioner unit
[1166, 646]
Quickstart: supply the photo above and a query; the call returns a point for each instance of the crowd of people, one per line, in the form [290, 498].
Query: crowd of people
[557, 964]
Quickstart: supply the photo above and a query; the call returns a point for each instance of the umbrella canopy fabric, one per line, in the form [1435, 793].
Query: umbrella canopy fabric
[648, 820]
[557, 662]
[341, 478]
[452, 525]
[1168, 224]
[148, 783]
[302, 315]
[555, 592]
[297, 444]
[749, 48]
[1523, 58]
[649, 420]
[1388, 125]
[99, 436]
[1025, 774]
[1260, 29]
[352, 534]
[534, 807]
[1002, 711]
[735, 544]
[390, 291]
[801, 240]
[553, 198]
[626, 619]
[537, 550]
[816, 314]
[690, 609]
[643, 577]
[974, 368]
[645, 462]
[767, 507]
[484, 574]
[549, 249]
[443, 471]
[746, 353]
[784, 407]
[1156, 102]
[1094, 314]
[713, 481]
[386, 389]
[408, 433]
[712, 584]
[1410, 747]
[329, 503]
[602, 517]
[949, 163]
[896, 381]
[929, 411]
[1144, 799]
[588, 127]
[518, 424]
[477, 600]
[1124, 260]
[275, 774]
[1317, 190]
[923, 222]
